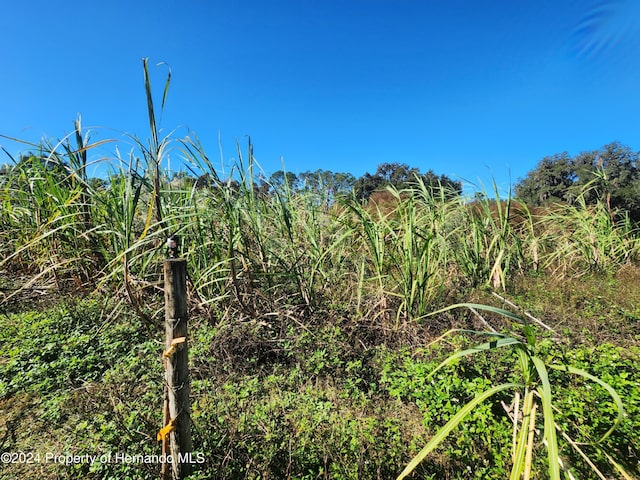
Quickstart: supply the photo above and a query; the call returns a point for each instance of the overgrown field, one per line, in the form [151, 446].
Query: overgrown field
[314, 350]
[310, 340]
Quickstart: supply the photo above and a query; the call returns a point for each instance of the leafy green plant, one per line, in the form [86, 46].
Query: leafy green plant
[536, 393]
[59, 349]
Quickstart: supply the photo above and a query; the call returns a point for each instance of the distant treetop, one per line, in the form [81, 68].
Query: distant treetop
[610, 174]
[400, 176]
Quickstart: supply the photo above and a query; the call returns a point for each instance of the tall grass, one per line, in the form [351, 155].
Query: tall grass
[490, 243]
[258, 249]
[262, 248]
[402, 246]
[588, 238]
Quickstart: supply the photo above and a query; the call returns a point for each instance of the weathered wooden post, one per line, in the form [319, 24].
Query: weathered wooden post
[176, 433]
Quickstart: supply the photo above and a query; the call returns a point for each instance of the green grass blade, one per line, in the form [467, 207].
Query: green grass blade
[614, 395]
[487, 308]
[165, 92]
[549, 423]
[450, 425]
[626, 475]
[152, 116]
[497, 343]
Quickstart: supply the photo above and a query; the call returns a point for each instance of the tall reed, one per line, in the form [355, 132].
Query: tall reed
[260, 245]
[581, 238]
[487, 248]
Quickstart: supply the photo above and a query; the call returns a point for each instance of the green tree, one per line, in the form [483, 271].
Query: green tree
[610, 175]
[400, 175]
[549, 182]
[326, 182]
[367, 184]
[281, 178]
[206, 180]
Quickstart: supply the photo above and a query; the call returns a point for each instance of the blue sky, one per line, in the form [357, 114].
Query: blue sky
[472, 89]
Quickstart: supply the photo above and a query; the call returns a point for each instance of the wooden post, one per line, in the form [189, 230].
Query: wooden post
[176, 440]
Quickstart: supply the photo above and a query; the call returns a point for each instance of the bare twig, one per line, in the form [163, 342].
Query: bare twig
[486, 324]
[527, 314]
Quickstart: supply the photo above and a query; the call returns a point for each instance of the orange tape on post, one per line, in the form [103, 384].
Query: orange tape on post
[166, 430]
[175, 343]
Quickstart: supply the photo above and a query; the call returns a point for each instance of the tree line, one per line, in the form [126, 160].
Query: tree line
[335, 184]
[610, 175]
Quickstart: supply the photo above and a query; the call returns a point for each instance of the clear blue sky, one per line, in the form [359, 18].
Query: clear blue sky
[472, 89]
